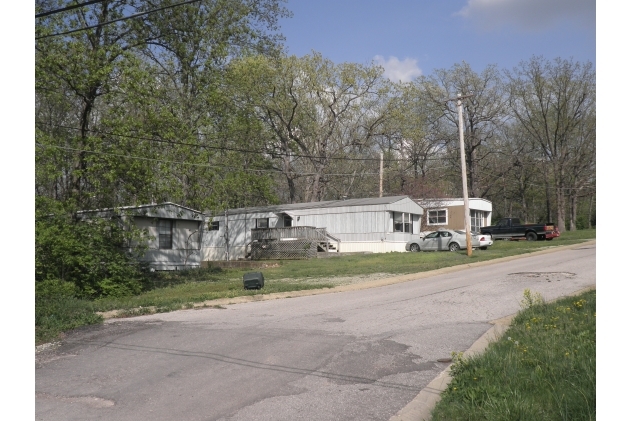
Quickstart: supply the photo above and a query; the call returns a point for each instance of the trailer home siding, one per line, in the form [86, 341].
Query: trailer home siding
[360, 225]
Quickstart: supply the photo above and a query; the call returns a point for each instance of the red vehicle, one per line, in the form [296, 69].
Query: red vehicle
[512, 229]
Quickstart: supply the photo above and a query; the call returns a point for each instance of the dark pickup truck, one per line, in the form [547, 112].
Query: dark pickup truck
[511, 228]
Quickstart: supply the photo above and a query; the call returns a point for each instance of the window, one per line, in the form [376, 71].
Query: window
[165, 233]
[477, 220]
[214, 226]
[262, 222]
[402, 222]
[437, 217]
[287, 221]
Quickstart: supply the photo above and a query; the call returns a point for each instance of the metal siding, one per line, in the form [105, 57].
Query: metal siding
[182, 230]
[372, 247]
[367, 227]
[152, 231]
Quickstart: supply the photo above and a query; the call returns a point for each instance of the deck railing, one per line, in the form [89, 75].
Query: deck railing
[289, 242]
[306, 233]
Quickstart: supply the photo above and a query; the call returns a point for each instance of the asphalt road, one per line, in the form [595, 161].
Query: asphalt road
[356, 355]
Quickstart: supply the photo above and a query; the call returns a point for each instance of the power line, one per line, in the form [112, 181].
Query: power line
[516, 183]
[189, 163]
[226, 148]
[117, 20]
[65, 9]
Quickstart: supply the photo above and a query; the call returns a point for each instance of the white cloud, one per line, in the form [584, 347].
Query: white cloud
[529, 15]
[397, 70]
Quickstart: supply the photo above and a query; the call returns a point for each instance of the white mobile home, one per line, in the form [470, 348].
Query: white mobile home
[356, 225]
[174, 232]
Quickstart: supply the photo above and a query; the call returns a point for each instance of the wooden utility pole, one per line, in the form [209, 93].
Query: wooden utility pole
[381, 174]
[465, 190]
[463, 166]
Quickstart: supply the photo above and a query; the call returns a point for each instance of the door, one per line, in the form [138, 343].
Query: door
[444, 239]
[430, 242]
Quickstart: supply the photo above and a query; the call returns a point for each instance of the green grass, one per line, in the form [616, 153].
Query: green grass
[170, 291]
[54, 315]
[543, 368]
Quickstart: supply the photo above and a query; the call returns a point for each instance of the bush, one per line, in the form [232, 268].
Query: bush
[92, 255]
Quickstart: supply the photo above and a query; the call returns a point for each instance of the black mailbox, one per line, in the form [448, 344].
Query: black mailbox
[253, 280]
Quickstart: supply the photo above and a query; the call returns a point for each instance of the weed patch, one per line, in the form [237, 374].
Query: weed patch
[543, 368]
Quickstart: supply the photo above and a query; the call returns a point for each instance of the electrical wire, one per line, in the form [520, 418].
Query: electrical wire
[189, 163]
[117, 20]
[65, 9]
[225, 148]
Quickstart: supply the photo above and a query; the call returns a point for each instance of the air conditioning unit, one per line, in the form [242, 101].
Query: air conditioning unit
[253, 280]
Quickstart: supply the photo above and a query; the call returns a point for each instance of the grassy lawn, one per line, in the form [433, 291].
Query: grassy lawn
[543, 368]
[176, 290]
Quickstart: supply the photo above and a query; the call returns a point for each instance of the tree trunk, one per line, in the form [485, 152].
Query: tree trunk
[560, 209]
[573, 206]
[589, 219]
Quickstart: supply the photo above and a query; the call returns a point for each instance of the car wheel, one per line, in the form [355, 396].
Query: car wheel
[414, 247]
[454, 247]
[531, 236]
[483, 248]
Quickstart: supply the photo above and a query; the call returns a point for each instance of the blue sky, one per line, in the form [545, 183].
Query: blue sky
[410, 37]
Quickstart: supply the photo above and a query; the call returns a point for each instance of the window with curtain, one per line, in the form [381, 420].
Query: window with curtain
[437, 217]
[165, 233]
[402, 222]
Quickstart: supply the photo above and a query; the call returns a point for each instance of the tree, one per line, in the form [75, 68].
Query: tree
[142, 98]
[483, 114]
[317, 112]
[412, 143]
[553, 101]
[134, 109]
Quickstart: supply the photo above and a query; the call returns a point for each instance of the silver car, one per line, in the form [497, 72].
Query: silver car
[443, 240]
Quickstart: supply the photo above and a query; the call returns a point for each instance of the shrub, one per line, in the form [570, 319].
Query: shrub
[95, 255]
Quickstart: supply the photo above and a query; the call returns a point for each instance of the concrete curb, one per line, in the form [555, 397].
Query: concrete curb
[420, 409]
[364, 285]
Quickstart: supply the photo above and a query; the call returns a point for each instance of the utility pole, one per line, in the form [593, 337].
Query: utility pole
[226, 236]
[381, 174]
[463, 165]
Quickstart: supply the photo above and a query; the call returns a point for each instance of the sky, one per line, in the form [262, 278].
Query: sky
[413, 37]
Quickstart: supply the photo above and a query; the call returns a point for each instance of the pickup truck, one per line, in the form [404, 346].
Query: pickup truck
[511, 228]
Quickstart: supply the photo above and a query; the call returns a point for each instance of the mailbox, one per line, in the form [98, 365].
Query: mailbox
[253, 280]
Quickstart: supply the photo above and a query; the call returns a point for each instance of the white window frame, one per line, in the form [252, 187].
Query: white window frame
[407, 221]
[438, 210]
[214, 225]
[478, 215]
[258, 220]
